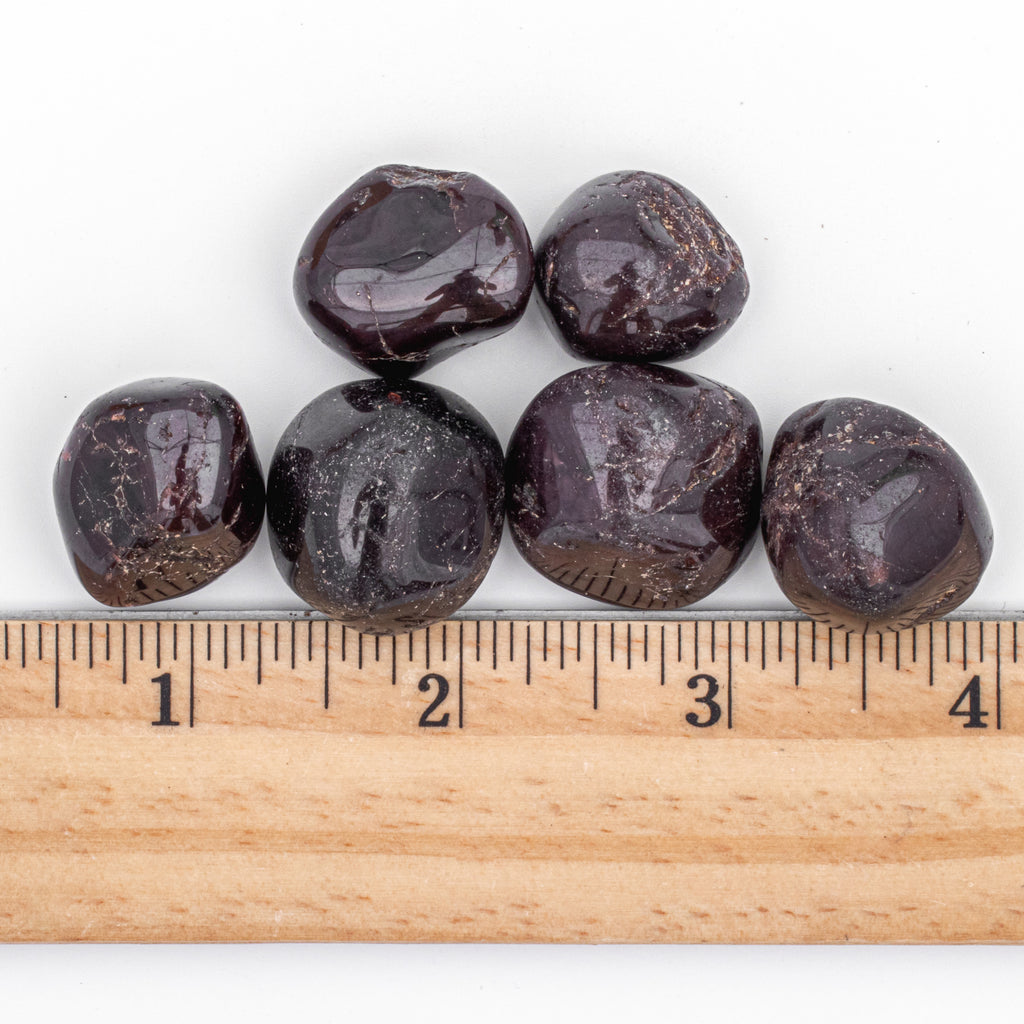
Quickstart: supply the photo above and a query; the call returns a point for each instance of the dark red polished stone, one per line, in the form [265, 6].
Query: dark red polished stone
[871, 521]
[386, 502]
[158, 490]
[408, 266]
[635, 485]
[634, 267]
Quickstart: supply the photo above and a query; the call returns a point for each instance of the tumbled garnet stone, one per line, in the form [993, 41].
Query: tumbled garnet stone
[634, 267]
[385, 503]
[871, 521]
[635, 485]
[408, 266]
[158, 490]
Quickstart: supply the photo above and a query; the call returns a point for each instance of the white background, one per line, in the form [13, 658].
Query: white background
[162, 164]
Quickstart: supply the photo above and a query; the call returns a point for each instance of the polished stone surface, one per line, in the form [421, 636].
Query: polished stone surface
[385, 502]
[158, 490]
[409, 265]
[635, 485]
[871, 521]
[634, 267]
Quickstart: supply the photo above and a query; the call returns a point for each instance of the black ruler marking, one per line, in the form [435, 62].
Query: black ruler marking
[142, 643]
[662, 655]
[192, 673]
[897, 651]
[90, 645]
[108, 641]
[157, 644]
[276, 642]
[595, 666]
[359, 649]
[394, 659]
[746, 640]
[764, 642]
[880, 648]
[645, 641]
[544, 641]
[527, 654]
[796, 652]
[209, 641]
[1015, 643]
[629, 646]
[931, 655]
[981, 643]
[863, 671]
[376, 647]
[74, 641]
[830, 648]
[241, 641]
[679, 642]
[999, 683]
[964, 651]
[225, 645]
[494, 645]
[696, 644]
[426, 647]
[712, 645]
[293, 645]
[174, 641]
[947, 642]
[410, 643]
[579, 640]
[23, 645]
[461, 671]
[327, 661]
[56, 664]
[913, 646]
[847, 648]
[511, 640]
[259, 653]
[814, 641]
[39, 641]
[728, 676]
[611, 641]
[7, 644]
[344, 643]
[561, 644]
[779, 624]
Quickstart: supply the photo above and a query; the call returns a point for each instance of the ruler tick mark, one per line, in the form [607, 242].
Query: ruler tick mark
[728, 676]
[712, 640]
[662, 656]
[579, 640]
[142, 643]
[847, 648]
[696, 645]
[897, 651]
[814, 642]
[981, 642]
[124, 653]
[376, 647]
[209, 641]
[931, 655]
[645, 641]
[309, 640]
[947, 642]
[444, 641]
[39, 641]
[23, 645]
[880, 635]
[561, 643]
[174, 641]
[344, 643]
[241, 641]
[394, 659]
[225, 645]
[276, 642]
[679, 642]
[527, 654]
[964, 650]
[746, 640]
[999, 683]
[192, 672]
[293, 645]
[863, 672]
[426, 646]
[108, 641]
[494, 645]
[796, 652]
[157, 644]
[611, 641]
[477, 639]
[830, 648]
[56, 665]
[595, 666]
[327, 662]
[779, 624]
[629, 646]
[544, 642]
[74, 641]
[461, 671]
[259, 653]
[764, 642]
[511, 640]
[359, 650]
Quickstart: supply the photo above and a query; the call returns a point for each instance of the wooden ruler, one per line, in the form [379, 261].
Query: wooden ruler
[562, 779]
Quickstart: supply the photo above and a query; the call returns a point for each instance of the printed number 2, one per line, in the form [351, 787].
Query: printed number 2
[426, 721]
[974, 715]
[707, 699]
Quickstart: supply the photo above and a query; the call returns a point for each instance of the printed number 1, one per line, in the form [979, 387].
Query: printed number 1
[164, 680]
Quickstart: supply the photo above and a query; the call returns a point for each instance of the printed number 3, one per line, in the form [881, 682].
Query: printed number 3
[707, 699]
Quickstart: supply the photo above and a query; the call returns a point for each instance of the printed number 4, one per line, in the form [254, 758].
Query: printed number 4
[974, 715]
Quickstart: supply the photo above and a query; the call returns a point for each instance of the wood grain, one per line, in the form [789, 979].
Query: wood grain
[273, 817]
